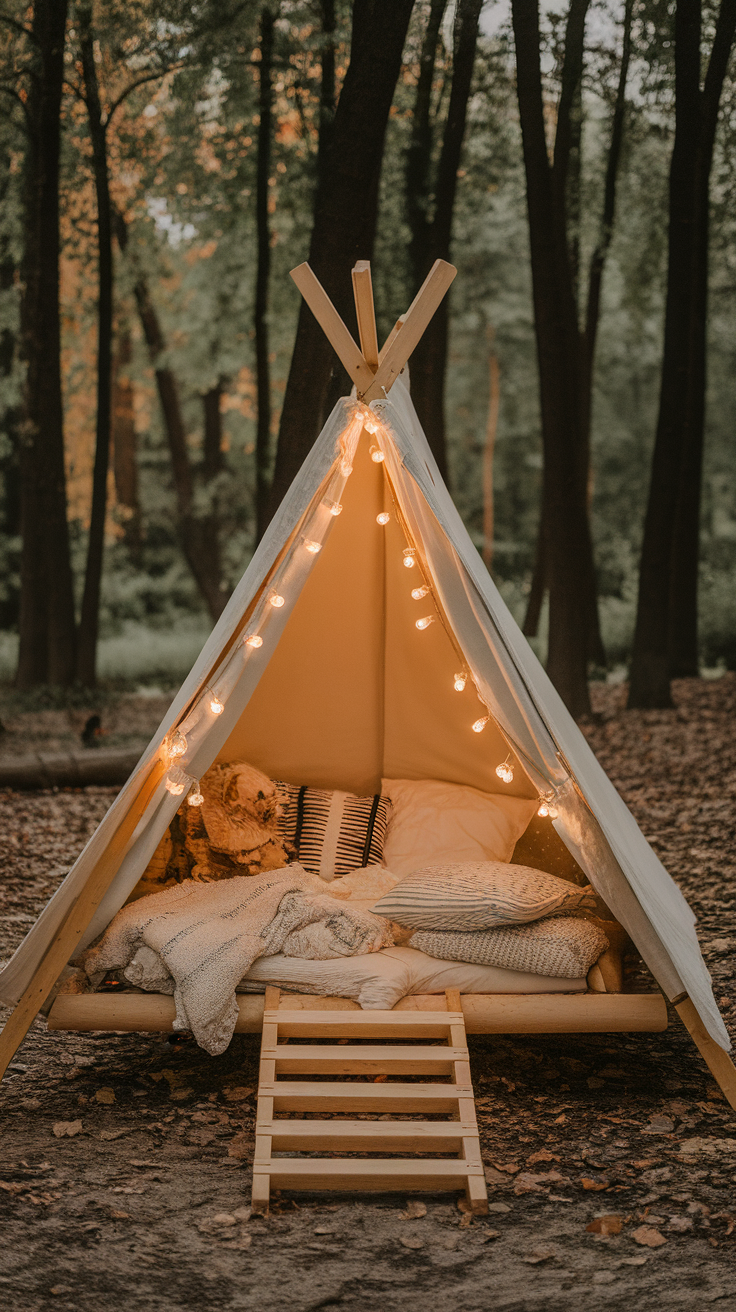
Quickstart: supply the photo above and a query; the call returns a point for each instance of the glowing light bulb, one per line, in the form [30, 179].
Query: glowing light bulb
[178, 744]
[480, 725]
[425, 621]
[505, 772]
[552, 812]
[216, 707]
[312, 546]
[460, 679]
[195, 798]
[418, 593]
[371, 426]
[543, 810]
[383, 518]
[409, 560]
[346, 468]
[176, 782]
[276, 600]
[253, 640]
[334, 507]
[377, 455]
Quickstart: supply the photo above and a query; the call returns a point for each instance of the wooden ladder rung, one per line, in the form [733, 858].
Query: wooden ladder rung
[345, 1096]
[376, 1173]
[276, 1140]
[363, 1136]
[363, 1059]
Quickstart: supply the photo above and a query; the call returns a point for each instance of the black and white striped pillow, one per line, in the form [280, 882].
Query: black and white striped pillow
[333, 832]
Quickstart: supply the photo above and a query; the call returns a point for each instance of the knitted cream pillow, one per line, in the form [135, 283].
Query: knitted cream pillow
[566, 946]
[478, 895]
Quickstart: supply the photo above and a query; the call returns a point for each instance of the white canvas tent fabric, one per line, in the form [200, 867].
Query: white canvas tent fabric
[343, 689]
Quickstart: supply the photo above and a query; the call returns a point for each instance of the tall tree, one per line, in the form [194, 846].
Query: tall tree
[47, 623]
[666, 634]
[566, 161]
[89, 617]
[263, 269]
[345, 211]
[430, 208]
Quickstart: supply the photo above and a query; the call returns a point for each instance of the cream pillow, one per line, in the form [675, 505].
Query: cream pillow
[479, 895]
[434, 822]
[564, 947]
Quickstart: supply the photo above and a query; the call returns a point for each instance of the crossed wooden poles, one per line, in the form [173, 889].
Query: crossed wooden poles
[374, 371]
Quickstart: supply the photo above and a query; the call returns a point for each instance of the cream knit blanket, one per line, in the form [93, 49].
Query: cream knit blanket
[197, 941]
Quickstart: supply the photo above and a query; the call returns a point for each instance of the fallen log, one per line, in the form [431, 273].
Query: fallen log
[77, 769]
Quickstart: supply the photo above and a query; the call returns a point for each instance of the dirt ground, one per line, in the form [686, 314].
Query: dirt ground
[611, 1160]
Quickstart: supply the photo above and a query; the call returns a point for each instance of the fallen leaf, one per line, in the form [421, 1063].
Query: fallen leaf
[680, 1224]
[380, 1079]
[610, 1224]
[223, 1218]
[509, 1167]
[659, 1125]
[498, 1207]
[648, 1236]
[466, 1220]
[539, 1255]
[324, 1230]
[542, 1156]
[485, 1235]
[643, 1162]
[179, 1094]
[243, 1213]
[411, 1241]
[495, 1177]
[106, 1096]
[119, 1216]
[633, 1261]
[238, 1094]
[107, 1135]
[240, 1146]
[414, 1209]
[448, 1242]
[594, 1185]
[66, 1129]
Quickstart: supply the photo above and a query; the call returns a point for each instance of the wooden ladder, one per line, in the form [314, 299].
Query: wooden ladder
[456, 1138]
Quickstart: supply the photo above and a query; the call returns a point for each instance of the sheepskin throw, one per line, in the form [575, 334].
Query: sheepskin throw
[197, 941]
[234, 832]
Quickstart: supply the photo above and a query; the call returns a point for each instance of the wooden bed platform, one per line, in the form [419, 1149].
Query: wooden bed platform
[498, 1013]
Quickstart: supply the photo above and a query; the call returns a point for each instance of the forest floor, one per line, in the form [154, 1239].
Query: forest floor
[611, 1159]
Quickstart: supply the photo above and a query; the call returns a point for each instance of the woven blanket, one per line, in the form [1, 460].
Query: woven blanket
[197, 941]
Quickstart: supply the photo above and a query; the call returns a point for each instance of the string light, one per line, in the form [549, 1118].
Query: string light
[418, 593]
[195, 798]
[383, 518]
[276, 599]
[216, 706]
[176, 782]
[346, 468]
[409, 557]
[371, 426]
[178, 744]
[480, 725]
[334, 507]
[377, 455]
[425, 621]
[505, 771]
[548, 808]
[312, 546]
[253, 640]
[460, 679]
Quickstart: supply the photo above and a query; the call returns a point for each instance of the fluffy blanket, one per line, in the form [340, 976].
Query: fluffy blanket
[197, 941]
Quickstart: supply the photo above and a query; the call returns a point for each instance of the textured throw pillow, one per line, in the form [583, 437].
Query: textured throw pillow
[478, 895]
[234, 832]
[333, 832]
[565, 946]
[434, 821]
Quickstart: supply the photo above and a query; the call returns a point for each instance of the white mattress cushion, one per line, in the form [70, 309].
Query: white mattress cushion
[435, 822]
[381, 979]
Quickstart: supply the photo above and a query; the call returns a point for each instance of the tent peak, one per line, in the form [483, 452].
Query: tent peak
[373, 371]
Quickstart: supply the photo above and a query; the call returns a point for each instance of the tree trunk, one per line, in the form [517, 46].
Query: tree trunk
[9, 413]
[683, 628]
[260, 313]
[90, 613]
[568, 549]
[327, 82]
[429, 360]
[47, 625]
[124, 445]
[345, 214]
[670, 550]
[494, 396]
[199, 537]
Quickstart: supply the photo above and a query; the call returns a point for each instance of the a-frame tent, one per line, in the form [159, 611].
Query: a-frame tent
[327, 678]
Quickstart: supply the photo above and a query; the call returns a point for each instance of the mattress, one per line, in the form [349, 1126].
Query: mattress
[381, 979]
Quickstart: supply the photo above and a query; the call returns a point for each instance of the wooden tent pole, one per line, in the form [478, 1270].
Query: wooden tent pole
[332, 326]
[718, 1062]
[421, 310]
[65, 943]
[366, 313]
